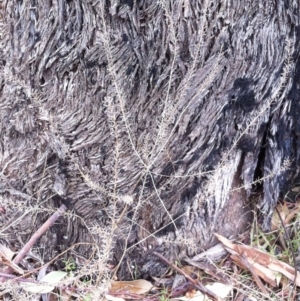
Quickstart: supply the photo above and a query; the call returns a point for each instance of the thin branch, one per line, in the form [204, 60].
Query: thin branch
[50, 221]
[26, 248]
[16, 278]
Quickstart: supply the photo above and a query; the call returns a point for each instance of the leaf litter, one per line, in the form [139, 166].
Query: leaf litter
[204, 278]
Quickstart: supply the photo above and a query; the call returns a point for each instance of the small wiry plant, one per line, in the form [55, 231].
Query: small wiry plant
[132, 172]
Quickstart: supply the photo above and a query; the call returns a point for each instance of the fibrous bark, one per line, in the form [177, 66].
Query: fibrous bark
[149, 119]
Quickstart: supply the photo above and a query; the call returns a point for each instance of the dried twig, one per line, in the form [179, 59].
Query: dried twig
[50, 221]
[196, 283]
[26, 248]
[16, 278]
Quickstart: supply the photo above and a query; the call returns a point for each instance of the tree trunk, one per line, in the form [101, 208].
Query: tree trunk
[150, 120]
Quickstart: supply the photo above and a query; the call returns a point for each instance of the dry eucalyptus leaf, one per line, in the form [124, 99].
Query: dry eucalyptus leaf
[284, 212]
[6, 261]
[191, 293]
[266, 274]
[6, 256]
[50, 280]
[42, 272]
[292, 214]
[54, 277]
[255, 256]
[136, 286]
[220, 289]
[198, 296]
[36, 288]
[113, 298]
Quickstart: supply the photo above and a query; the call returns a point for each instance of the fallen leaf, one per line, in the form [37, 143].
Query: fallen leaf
[36, 288]
[135, 287]
[191, 293]
[220, 289]
[263, 272]
[229, 246]
[54, 277]
[42, 272]
[198, 296]
[6, 252]
[255, 256]
[6, 256]
[112, 298]
[292, 215]
[285, 283]
[284, 212]
[50, 280]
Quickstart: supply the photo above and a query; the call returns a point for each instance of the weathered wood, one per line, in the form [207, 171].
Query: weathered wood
[149, 119]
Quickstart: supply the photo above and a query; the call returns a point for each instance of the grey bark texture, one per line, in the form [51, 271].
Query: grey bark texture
[149, 119]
